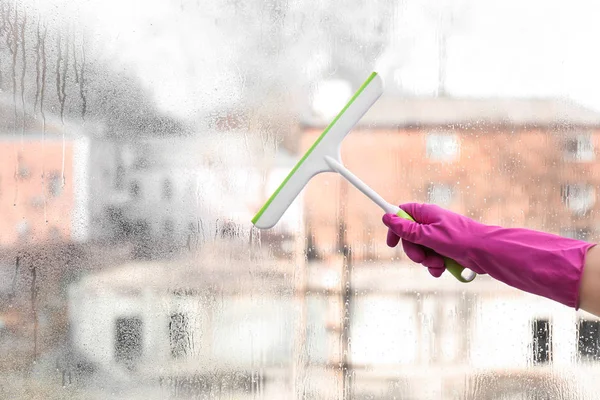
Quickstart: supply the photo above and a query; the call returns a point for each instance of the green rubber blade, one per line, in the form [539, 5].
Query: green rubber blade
[314, 145]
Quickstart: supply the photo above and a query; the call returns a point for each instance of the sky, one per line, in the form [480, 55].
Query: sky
[181, 50]
[515, 48]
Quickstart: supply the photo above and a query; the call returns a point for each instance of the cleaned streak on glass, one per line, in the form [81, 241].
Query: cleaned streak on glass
[79, 69]
[12, 45]
[61, 78]
[33, 269]
[2, 30]
[40, 87]
[38, 45]
[14, 282]
[201, 229]
[23, 72]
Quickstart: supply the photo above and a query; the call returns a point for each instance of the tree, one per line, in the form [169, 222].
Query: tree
[49, 70]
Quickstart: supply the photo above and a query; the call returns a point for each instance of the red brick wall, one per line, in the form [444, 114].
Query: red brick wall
[502, 176]
[22, 199]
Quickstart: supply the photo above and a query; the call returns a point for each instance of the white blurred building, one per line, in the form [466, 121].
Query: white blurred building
[226, 315]
[173, 189]
[216, 318]
[412, 336]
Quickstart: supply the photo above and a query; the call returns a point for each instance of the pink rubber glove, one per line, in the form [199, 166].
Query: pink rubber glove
[540, 263]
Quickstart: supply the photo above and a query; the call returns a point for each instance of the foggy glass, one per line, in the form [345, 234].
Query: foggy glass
[139, 138]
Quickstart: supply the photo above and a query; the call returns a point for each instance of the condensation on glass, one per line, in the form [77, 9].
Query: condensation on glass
[138, 139]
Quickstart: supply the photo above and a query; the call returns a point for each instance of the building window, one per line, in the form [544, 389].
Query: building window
[128, 340]
[442, 147]
[141, 156]
[135, 190]
[441, 194]
[167, 189]
[54, 233]
[23, 171]
[120, 178]
[229, 230]
[54, 184]
[23, 229]
[579, 148]
[577, 233]
[311, 251]
[541, 341]
[588, 334]
[179, 335]
[168, 228]
[579, 197]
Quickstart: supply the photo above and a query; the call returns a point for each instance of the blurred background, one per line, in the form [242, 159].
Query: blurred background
[138, 139]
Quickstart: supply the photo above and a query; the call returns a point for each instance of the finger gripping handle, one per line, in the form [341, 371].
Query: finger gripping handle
[457, 270]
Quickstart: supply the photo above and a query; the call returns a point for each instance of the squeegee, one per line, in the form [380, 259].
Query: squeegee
[325, 156]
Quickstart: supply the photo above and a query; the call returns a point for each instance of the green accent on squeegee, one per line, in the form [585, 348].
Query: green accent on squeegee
[358, 92]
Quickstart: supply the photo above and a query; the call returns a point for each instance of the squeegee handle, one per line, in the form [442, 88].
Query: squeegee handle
[452, 266]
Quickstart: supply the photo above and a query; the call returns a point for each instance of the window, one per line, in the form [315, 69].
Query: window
[579, 198]
[138, 139]
[541, 341]
[577, 233]
[139, 229]
[128, 340]
[135, 189]
[54, 234]
[588, 340]
[23, 171]
[23, 229]
[168, 228]
[179, 335]
[312, 253]
[167, 189]
[579, 148]
[440, 193]
[140, 155]
[55, 185]
[119, 177]
[141, 162]
[229, 229]
[442, 147]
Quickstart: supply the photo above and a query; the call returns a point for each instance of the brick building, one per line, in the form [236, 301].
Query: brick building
[513, 162]
[35, 202]
[43, 188]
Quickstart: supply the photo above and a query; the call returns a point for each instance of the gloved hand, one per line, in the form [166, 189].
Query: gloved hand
[540, 263]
